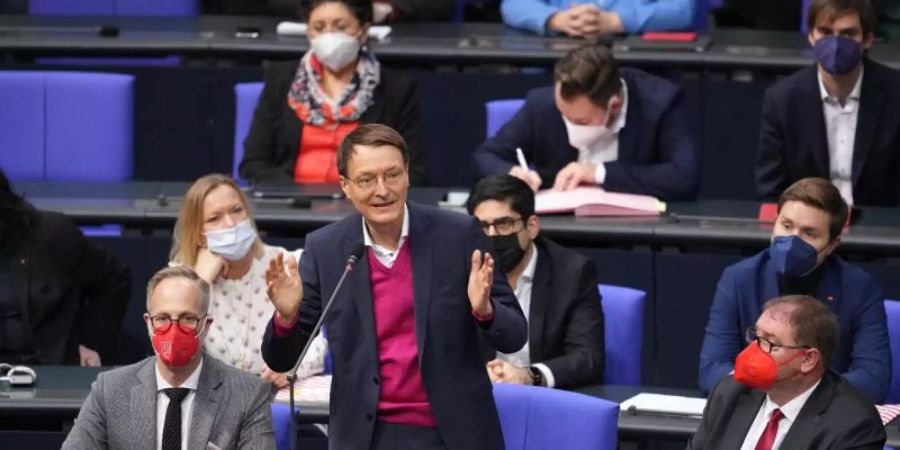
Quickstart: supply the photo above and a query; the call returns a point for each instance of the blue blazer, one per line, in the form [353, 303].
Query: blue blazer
[459, 390]
[793, 143]
[862, 356]
[656, 151]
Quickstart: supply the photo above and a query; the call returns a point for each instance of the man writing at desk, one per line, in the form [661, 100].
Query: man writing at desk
[404, 330]
[623, 130]
[179, 399]
[783, 395]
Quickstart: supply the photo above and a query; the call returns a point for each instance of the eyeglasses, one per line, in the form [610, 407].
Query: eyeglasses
[188, 324]
[392, 177]
[765, 344]
[503, 225]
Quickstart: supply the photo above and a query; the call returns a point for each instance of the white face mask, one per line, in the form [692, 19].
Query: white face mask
[335, 50]
[582, 136]
[232, 243]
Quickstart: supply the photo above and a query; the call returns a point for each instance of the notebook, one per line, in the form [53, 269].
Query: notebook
[664, 404]
[594, 201]
[314, 391]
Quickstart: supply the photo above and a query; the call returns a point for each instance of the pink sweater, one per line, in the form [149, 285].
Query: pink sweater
[402, 398]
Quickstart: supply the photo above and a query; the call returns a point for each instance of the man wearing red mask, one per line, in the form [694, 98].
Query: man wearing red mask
[800, 261]
[782, 394]
[181, 398]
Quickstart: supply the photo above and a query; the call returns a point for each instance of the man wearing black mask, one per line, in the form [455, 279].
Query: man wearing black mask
[556, 288]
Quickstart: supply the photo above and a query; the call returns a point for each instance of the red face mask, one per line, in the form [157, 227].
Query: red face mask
[757, 369]
[175, 347]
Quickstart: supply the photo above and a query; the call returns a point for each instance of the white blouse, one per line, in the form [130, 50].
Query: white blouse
[241, 311]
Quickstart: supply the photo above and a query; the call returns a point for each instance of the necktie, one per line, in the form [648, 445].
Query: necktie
[767, 440]
[171, 439]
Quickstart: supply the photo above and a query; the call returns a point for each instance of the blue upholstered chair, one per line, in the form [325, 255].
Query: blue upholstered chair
[499, 112]
[66, 125]
[892, 309]
[246, 96]
[623, 321]
[168, 8]
[535, 418]
[281, 421]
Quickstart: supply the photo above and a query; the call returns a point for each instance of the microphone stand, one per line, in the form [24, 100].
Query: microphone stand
[292, 375]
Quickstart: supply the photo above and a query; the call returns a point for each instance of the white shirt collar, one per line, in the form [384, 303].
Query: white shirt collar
[191, 382]
[791, 409]
[404, 232]
[854, 94]
[620, 120]
[528, 273]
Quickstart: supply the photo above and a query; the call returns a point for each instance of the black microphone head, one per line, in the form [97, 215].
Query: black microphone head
[358, 249]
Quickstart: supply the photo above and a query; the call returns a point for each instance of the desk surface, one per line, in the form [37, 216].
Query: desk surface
[453, 43]
[708, 222]
[61, 390]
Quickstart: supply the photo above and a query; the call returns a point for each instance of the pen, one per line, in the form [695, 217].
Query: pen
[521, 157]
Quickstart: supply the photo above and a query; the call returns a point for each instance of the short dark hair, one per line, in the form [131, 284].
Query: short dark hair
[373, 135]
[361, 9]
[590, 70]
[834, 8]
[813, 324]
[821, 194]
[504, 188]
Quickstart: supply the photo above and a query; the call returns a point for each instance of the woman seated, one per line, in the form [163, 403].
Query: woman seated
[307, 108]
[216, 235]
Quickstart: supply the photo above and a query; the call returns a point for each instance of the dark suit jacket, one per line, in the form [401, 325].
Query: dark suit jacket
[459, 391]
[565, 321]
[863, 354]
[70, 291]
[793, 143]
[656, 151]
[834, 417]
[273, 143]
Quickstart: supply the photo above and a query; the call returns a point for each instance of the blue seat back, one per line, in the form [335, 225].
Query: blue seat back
[499, 112]
[623, 322]
[246, 98]
[535, 418]
[167, 8]
[281, 422]
[22, 125]
[892, 310]
[67, 125]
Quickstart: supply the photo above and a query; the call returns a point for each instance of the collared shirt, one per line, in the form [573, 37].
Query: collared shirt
[840, 129]
[790, 410]
[385, 256]
[162, 403]
[606, 148]
[522, 290]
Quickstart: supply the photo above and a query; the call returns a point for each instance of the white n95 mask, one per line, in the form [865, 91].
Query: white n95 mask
[582, 136]
[335, 50]
[232, 243]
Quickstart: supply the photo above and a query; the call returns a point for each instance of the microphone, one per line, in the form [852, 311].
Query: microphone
[355, 254]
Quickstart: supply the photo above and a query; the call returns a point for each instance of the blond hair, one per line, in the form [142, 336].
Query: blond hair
[188, 233]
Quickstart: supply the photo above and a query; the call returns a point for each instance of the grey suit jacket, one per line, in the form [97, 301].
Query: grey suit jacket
[231, 410]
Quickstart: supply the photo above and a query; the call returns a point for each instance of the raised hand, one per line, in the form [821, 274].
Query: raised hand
[481, 278]
[284, 289]
[528, 176]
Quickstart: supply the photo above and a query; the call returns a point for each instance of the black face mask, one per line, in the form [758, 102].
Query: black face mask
[508, 251]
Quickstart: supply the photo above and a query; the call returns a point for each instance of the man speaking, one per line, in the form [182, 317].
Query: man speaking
[404, 328]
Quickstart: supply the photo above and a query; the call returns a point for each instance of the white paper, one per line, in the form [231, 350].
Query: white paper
[312, 391]
[379, 32]
[548, 201]
[665, 404]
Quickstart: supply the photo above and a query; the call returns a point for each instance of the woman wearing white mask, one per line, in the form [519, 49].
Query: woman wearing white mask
[307, 108]
[215, 234]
